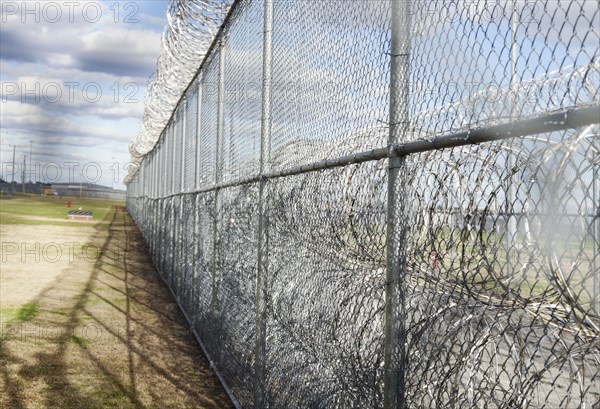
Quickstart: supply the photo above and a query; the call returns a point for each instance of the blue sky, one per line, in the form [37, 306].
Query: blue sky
[74, 73]
[73, 79]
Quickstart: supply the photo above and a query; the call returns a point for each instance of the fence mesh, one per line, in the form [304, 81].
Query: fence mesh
[191, 119]
[503, 297]
[388, 204]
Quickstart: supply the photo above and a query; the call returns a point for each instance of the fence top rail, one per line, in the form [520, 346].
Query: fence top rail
[558, 121]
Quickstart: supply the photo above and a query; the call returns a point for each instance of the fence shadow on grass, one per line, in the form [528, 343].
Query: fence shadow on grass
[111, 343]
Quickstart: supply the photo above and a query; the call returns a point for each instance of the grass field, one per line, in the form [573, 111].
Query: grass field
[50, 210]
[85, 321]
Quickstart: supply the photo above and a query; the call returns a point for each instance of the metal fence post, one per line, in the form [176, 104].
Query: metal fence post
[198, 123]
[395, 335]
[596, 236]
[155, 160]
[218, 170]
[196, 204]
[511, 218]
[163, 168]
[180, 277]
[142, 178]
[174, 167]
[173, 152]
[183, 135]
[263, 215]
[155, 176]
[165, 203]
[169, 237]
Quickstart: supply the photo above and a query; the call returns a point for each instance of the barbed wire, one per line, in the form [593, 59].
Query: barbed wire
[500, 287]
[190, 30]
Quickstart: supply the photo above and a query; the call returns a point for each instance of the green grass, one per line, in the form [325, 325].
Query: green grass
[11, 315]
[16, 209]
[27, 312]
[78, 340]
[60, 312]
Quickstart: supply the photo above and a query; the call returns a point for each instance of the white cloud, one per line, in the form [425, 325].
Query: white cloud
[76, 56]
[34, 118]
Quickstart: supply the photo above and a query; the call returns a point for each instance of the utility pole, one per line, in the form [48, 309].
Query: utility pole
[13, 163]
[23, 173]
[30, 156]
[112, 178]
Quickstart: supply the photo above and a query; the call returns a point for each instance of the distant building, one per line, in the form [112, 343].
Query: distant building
[87, 190]
[63, 189]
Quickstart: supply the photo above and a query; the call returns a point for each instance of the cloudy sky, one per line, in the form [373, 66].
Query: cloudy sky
[73, 77]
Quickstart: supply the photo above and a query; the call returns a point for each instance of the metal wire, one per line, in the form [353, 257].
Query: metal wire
[385, 203]
[192, 25]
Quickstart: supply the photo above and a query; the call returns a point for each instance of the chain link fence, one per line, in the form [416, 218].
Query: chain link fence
[388, 204]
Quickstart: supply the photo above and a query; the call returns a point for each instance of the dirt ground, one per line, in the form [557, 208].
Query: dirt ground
[87, 323]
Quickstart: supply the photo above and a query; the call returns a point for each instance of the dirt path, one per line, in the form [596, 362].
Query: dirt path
[94, 327]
